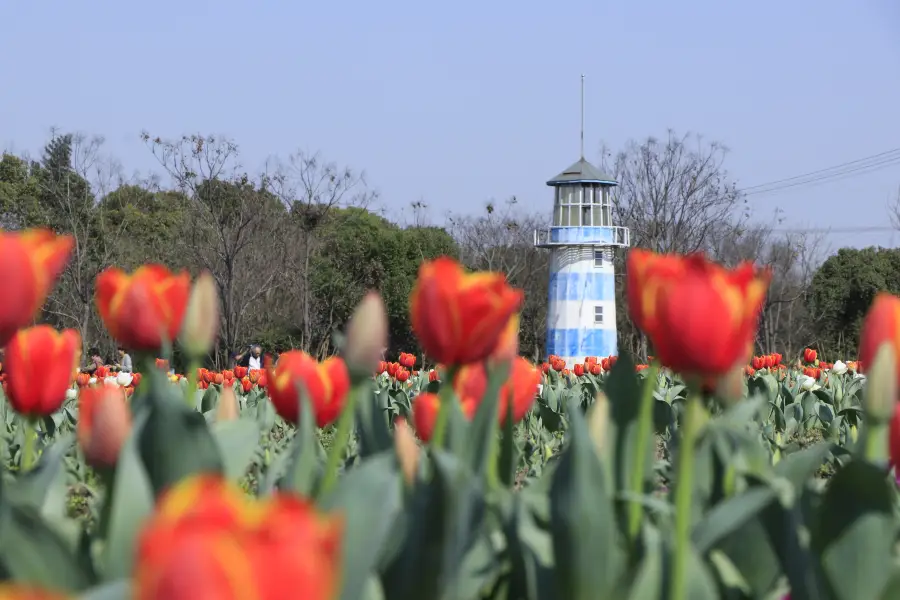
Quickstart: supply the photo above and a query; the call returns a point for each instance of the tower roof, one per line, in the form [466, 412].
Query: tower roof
[582, 172]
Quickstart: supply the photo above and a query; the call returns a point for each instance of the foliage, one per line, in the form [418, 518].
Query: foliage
[843, 288]
[528, 519]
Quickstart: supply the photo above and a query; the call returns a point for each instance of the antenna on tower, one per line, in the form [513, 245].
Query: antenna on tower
[582, 116]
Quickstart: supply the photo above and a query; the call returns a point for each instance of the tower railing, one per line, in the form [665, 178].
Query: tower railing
[550, 237]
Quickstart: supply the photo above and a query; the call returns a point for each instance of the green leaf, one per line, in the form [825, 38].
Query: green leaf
[368, 524]
[374, 431]
[416, 571]
[44, 487]
[582, 519]
[857, 489]
[238, 441]
[484, 427]
[700, 583]
[32, 553]
[305, 468]
[749, 550]
[209, 400]
[176, 442]
[509, 452]
[729, 515]
[128, 502]
[373, 590]
[121, 589]
[798, 467]
[858, 563]
[648, 580]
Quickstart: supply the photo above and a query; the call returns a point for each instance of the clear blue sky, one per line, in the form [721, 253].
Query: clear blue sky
[456, 103]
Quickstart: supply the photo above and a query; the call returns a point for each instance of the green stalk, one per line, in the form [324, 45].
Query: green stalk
[190, 393]
[644, 431]
[446, 396]
[342, 439]
[685, 479]
[876, 438]
[29, 450]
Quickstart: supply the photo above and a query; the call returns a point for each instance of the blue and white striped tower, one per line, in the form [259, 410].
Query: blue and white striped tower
[581, 315]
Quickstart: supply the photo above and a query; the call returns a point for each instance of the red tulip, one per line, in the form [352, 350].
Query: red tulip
[40, 363]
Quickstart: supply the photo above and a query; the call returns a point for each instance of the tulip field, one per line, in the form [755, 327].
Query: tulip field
[460, 472]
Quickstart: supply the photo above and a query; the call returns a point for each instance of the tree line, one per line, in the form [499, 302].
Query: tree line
[293, 247]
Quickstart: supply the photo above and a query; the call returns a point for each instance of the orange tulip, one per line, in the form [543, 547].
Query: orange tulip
[40, 363]
[700, 317]
[326, 385]
[104, 422]
[520, 386]
[641, 289]
[145, 308]
[18, 591]
[508, 345]
[881, 326]
[459, 317]
[207, 539]
[426, 407]
[30, 263]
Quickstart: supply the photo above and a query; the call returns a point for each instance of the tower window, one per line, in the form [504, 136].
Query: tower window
[598, 259]
[598, 315]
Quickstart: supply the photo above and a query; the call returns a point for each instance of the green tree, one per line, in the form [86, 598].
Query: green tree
[842, 291]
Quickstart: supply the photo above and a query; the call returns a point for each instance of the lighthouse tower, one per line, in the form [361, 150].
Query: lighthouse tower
[581, 313]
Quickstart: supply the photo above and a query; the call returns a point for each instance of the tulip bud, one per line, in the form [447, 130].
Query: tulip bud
[227, 410]
[730, 388]
[881, 392]
[407, 450]
[104, 422]
[366, 334]
[201, 319]
[598, 422]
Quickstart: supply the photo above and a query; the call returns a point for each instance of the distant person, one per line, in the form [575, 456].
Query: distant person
[250, 358]
[124, 364]
[95, 361]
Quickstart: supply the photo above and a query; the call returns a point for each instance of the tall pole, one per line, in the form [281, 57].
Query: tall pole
[582, 116]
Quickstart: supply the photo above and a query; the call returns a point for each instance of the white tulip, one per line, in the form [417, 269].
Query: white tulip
[111, 380]
[92, 381]
[839, 368]
[124, 379]
[71, 393]
[808, 383]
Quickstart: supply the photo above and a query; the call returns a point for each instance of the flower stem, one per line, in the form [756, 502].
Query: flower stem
[644, 431]
[190, 392]
[29, 449]
[341, 439]
[446, 396]
[683, 491]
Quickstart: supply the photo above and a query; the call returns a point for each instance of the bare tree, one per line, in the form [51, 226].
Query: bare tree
[73, 173]
[501, 240]
[894, 212]
[785, 322]
[311, 188]
[674, 195]
[233, 228]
